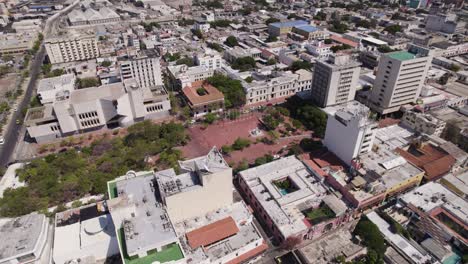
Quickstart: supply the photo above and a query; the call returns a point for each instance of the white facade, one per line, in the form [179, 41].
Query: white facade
[94, 108]
[203, 27]
[145, 70]
[445, 23]
[349, 131]
[69, 49]
[335, 80]
[51, 88]
[423, 123]
[319, 49]
[400, 77]
[183, 76]
[211, 60]
[280, 84]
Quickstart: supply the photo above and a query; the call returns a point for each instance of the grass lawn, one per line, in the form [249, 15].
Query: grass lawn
[168, 253]
[319, 214]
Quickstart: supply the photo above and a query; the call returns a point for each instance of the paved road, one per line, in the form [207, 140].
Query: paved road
[13, 131]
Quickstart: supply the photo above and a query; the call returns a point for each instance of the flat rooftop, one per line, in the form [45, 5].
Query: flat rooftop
[149, 226]
[327, 248]
[398, 240]
[171, 183]
[285, 206]
[21, 235]
[55, 82]
[401, 55]
[433, 195]
[392, 168]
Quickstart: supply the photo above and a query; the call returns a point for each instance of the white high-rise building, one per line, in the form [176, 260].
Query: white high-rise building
[349, 132]
[72, 48]
[145, 69]
[400, 77]
[335, 80]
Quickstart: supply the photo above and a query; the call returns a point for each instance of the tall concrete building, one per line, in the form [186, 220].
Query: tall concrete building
[349, 132]
[71, 48]
[144, 68]
[400, 76]
[335, 80]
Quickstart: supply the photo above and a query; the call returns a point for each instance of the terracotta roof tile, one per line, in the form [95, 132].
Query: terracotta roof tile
[213, 94]
[435, 162]
[212, 233]
[250, 254]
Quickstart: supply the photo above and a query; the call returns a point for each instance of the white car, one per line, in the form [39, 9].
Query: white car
[2, 140]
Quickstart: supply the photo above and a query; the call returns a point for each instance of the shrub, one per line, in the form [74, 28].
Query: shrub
[240, 144]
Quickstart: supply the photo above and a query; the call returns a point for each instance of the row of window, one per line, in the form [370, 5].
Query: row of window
[87, 115]
[154, 108]
[89, 123]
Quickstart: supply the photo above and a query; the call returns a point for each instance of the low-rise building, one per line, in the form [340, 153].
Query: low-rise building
[90, 16]
[90, 109]
[283, 28]
[49, 89]
[210, 59]
[319, 49]
[438, 212]
[203, 98]
[85, 234]
[16, 43]
[423, 123]
[273, 86]
[400, 243]
[435, 161]
[449, 24]
[23, 239]
[307, 32]
[237, 52]
[183, 75]
[290, 201]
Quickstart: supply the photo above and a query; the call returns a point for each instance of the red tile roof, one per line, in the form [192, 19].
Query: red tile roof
[212, 233]
[388, 122]
[344, 41]
[250, 254]
[213, 94]
[434, 161]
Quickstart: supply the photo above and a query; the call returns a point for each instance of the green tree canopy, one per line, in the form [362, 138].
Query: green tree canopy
[231, 41]
[234, 95]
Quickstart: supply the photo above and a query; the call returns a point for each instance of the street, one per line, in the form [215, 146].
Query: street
[14, 130]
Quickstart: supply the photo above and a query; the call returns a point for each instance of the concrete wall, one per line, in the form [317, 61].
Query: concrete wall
[215, 193]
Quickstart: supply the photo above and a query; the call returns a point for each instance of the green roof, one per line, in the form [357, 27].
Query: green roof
[401, 55]
[168, 253]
